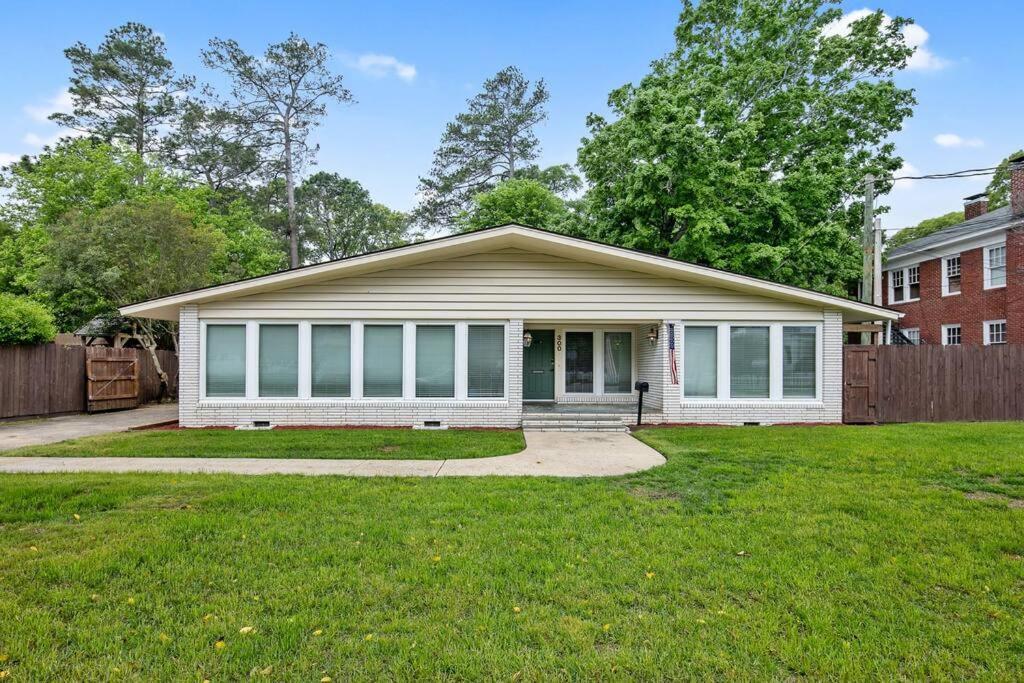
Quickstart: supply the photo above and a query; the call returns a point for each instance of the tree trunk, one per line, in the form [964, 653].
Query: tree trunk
[289, 182]
[147, 338]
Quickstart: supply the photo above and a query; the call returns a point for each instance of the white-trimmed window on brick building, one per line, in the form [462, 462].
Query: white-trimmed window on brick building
[995, 332]
[995, 266]
[951, 335]
[751, 361]
[905, 284]
[912, 333]
[325, 360]
[951, 275]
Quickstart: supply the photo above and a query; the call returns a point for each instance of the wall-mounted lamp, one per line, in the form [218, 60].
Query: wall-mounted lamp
[652, 335]
[527, 339]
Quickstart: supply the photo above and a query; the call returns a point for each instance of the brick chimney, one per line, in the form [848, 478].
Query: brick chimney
[1017, 185]
[975, 205]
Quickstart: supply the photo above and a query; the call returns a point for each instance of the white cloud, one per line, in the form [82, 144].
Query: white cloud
[906, 169]
[954, 140]
[915, 36]
[382, 66]
[38, 141]
[61, 102]
[8, 159]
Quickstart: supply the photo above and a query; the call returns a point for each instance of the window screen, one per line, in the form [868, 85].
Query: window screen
[700, 362]
[225, 360]
[382, 361]
[749, 362]
[799, 358]
[486, 361]
[331, 360]
[997, 266]
[579, 362]
[618, 362]
[279, 360]
[435, 361]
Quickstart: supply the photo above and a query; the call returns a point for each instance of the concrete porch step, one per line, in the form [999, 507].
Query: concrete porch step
[574, 423]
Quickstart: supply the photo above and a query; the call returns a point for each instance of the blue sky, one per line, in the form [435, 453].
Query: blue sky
[412, 66]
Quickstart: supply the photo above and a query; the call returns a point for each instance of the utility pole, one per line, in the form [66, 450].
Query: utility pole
[876, 290]
[866, 243]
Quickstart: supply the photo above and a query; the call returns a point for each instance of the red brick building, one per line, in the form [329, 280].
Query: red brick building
[964, 284]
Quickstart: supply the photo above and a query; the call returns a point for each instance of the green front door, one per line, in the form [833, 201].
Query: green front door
[539, 367]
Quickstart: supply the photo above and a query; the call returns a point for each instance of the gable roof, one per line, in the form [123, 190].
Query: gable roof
[991, 221]
[501, 237]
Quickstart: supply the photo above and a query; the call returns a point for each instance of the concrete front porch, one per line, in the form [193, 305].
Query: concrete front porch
[577, 417]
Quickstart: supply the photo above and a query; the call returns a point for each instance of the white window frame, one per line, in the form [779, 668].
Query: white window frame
[986, 330]
[598, 332]
[915, 330]
[905, 286]
[356, 328]
[945, 274]
[776, 363]
[987, 255]
[949, 327]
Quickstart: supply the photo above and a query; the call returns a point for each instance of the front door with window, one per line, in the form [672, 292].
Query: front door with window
[539, 367]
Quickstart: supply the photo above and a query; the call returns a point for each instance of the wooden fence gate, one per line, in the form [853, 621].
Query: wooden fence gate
[932, 383]
[112, 378]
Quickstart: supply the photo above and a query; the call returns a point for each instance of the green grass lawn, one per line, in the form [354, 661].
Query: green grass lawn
[405, 444]
[790, 552]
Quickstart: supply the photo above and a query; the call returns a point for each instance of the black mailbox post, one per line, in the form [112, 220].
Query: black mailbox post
[642, 388]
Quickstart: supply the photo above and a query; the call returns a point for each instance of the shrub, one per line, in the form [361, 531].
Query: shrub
[23, 321]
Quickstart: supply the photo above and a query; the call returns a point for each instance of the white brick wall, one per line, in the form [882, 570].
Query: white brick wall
[829, 409]
[195, 413]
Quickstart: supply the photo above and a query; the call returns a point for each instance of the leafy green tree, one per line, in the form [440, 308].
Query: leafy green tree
[281, 96]
[339, 219]
[999, 187]
[924, 228]
[124, 90]
[23, 321]
[526, 202]
[488, 143]
[126, 253]
[745, 147]
[561, 179]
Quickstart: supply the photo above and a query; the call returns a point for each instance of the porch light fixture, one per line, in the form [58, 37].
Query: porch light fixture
[527, 339]
[652, 335]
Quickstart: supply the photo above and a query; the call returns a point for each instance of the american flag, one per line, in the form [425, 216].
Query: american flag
[672, 353]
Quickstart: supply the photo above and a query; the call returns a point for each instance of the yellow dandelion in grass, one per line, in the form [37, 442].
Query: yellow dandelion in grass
[208, 617]
[4, 673]
[220, 644]
[369, 636]
[650, 575]
[33, 549]
[607, 627]
[130, 601]
[701, 621]
[267, 670]
[437, 558]
[165, 638]
[77, 517]
[325, 679]
[318, 632]
[517, 609]
[95, 597]
[246, 629]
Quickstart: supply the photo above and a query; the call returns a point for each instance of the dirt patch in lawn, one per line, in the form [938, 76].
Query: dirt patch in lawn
[989, 497]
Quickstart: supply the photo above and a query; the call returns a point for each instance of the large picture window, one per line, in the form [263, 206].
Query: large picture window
[330, 361]
[799, 362]
[225, 361]
[700, 362]
[618, 362]
[435, 361]
[382, 361]
[279, 360]
[579, 362]
[486, 361]
[749, 369]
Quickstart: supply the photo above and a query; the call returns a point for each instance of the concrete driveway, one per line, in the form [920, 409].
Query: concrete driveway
[553, 454]
[52, 429]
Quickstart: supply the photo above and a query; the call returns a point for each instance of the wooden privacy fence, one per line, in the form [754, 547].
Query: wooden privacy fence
[49, 379]
[931, 383]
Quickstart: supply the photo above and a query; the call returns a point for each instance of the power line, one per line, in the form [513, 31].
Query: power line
[965, 173]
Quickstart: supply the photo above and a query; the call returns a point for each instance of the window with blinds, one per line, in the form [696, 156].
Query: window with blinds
[279, 360]
[799, 359]
[486, 361]
[579, 362]
[700, 362]
[435, 361]
[225, 361]
[618, 362]
[749, 362]
[382, 361]
[330, 361]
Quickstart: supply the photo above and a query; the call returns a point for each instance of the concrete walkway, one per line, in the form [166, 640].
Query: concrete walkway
[52, 429]
[555, 454]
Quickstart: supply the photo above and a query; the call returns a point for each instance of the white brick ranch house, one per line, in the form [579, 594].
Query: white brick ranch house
[477, 329]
